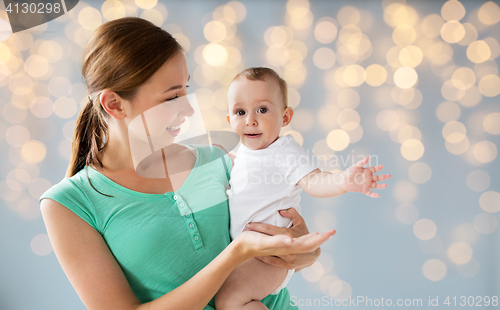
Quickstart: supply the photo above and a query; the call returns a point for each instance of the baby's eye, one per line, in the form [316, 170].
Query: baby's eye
[240, 112]
[262, 110]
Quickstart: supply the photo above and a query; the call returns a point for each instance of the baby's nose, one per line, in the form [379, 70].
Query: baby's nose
[251, 121]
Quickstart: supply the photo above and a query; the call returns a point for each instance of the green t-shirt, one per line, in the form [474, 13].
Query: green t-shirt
[160, 240]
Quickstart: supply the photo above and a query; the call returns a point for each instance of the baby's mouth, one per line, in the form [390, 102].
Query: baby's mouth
[253, 135]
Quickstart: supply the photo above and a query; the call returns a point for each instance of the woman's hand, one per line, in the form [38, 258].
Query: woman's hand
[292, 260]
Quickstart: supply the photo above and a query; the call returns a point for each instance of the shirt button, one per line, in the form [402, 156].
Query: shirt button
[191, 225]
[182, 204]
[188, 214]
[196, 238]
[176, 197]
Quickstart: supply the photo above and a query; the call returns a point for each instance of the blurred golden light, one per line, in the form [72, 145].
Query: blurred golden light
[325, 31]
[486, 68]
[313, 273]
[460, 253]
[113, 9]
[295, 74]
[347, 32]
[90, 18]
[40, 245]
[42, 107]
[412, 149]
[348, 119]
[454, 132]
[411, 56]
[453, 11]
[347, 55]
[471, 98]
[431, 25]
[410, 98]
[448, 111]
[478, 180]
[354, 75]
[405, 191]
[432, 246]
[485, 151]
[491, 123]
[375, 75]
[466, 233]
[392, 56]
[38, 186]
[293, 97]
[303, 120]
[322, 151]
[153, 16]
[65, 107]
[33, 151]
[406, 213]
[239, 10]
[420, 172]
[489, 85]
[397, 14]
[453, 90]
[470, 269]
[21, 84]
[296, 135]
[337, 140]
[356, 134]
[4, 53]
[405, 77]
[348, 15]
[386, 119]
[183, 41]
[326, 282]
[457, 148]
[299, 18]
[478, 51]
[5, 30]
[465, 75]
[146, 4]
[490, 201]
[13, 115]
[494, 47]
[453, 31]
[485, 223]
[325, 221]
[407, 132]
[324, 58]
[215, 31]
[439, 49]
[348, 99]
[59, 86]
[424, 229]
[215, 54]
[404, 35]
[17, 135]
[36, 66]
[299, 46]
[489, 13]
[22, 101]
[51, 51]
[470, 36]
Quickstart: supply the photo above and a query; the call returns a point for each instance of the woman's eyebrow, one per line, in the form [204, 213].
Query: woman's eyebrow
[177, 86]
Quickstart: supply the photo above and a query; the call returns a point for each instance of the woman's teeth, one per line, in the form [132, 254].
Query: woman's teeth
[173, 128]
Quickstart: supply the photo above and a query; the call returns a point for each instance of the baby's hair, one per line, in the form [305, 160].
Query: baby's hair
[260, 74]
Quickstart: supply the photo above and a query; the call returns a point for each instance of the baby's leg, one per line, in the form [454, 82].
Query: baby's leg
[248, 284]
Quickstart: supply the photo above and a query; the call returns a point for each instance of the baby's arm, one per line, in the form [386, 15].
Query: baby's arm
[323, 184]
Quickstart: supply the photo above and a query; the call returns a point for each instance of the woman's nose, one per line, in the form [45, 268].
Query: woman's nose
[186, 109]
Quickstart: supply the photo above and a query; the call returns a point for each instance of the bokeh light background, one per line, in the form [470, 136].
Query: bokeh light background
[413, 83]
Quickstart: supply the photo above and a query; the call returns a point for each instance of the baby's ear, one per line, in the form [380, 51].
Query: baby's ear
[287, 117]
[228, 119]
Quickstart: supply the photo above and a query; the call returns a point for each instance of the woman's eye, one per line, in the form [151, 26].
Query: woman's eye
[262, 110]
[240, 112]
[172, 98]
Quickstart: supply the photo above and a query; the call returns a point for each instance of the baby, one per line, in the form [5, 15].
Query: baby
[269, 174]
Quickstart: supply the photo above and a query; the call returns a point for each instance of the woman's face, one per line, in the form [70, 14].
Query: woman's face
[158, 108]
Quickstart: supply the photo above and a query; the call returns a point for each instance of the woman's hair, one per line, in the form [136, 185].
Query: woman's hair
[263, 73]
[120, 56]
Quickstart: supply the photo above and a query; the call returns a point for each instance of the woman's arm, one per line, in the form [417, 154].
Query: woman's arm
[100, 283]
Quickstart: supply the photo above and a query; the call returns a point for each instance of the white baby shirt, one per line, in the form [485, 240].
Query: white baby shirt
[265, 181]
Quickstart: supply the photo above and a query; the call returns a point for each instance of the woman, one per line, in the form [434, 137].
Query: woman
[129, 242]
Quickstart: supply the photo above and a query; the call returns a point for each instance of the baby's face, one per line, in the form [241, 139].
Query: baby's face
[256, 112]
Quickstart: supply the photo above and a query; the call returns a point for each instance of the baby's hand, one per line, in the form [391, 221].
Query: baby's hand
[359, 179]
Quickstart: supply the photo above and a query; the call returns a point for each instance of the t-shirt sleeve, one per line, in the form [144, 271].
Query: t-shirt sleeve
[293, 161]
[72, 197]
[226, 160]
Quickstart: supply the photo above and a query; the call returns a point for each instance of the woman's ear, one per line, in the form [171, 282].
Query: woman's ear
[113, 104]
[287, 117]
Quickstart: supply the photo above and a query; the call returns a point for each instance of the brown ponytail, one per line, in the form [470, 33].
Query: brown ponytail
[120, 56]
